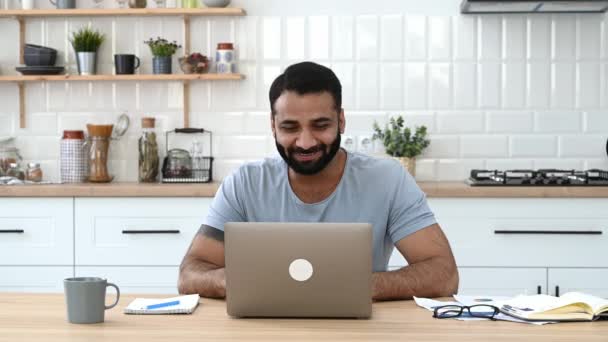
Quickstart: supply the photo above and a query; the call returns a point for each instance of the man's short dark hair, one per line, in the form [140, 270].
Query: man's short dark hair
[306, 78]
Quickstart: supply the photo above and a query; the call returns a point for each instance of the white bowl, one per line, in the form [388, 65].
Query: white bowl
[216, 3]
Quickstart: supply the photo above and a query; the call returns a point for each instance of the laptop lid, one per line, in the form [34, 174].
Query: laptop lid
[298, 269]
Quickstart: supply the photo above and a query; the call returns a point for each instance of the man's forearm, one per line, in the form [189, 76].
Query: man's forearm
[206, 279]
[435, 277]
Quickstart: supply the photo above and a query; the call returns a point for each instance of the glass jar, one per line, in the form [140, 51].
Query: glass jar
[179, 164]
[148, 152]
[16, 171]
[8, 156]
[33, 172]
[224, 58]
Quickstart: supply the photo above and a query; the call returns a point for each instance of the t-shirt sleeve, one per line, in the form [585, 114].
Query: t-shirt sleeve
[409, 211]
[226, 206]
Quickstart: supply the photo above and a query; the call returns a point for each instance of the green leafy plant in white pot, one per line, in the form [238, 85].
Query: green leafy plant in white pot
[86, 42]
[400, 143]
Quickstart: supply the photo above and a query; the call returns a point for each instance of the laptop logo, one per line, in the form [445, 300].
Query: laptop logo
[300, 270]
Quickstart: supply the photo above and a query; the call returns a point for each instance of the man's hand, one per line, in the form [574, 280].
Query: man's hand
[431, 272]
[202, 269]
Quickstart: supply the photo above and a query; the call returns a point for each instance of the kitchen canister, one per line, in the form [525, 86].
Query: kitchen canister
[224, 58]
[73, 157]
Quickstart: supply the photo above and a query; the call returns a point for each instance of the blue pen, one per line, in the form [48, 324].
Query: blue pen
[162, 305]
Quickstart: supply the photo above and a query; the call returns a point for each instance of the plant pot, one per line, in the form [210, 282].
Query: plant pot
[408, 163]
[161, 64]
[87, 63]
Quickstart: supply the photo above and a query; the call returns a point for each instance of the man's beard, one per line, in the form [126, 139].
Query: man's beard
[309, 167]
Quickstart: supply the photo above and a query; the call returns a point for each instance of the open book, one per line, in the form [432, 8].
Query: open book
[571, 306]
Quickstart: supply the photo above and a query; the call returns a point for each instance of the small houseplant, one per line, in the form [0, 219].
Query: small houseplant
[162, 50]
[86, 42]
[399, 142]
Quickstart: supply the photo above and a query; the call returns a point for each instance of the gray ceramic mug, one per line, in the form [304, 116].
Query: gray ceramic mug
[85, 299]
[62, 4]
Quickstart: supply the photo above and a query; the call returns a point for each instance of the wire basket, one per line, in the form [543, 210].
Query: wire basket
[201, 168]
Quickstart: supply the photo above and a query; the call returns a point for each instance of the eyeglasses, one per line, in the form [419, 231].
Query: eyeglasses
[480, 311]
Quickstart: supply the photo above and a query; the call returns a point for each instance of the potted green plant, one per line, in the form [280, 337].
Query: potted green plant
[400, 143]
[162, 50]
[86, 42]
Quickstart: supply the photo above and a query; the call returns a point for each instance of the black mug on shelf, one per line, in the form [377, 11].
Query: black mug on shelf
[126, 64]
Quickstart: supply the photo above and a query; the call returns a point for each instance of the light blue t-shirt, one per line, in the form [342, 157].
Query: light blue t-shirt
[372, 190]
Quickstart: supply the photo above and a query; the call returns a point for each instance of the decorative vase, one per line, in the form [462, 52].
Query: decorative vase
[408, 163]
[161, 64]
[87, 63]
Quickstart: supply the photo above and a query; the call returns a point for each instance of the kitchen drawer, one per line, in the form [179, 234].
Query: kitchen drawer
[136, 279]
[476, 281]
[525, 232]
[593, 281]
[34, 278]
[36, 231]
[136, 231]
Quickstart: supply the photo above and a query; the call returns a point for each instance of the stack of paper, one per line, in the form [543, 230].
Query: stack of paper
[175, 305]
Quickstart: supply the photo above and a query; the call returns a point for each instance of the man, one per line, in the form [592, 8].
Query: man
[317, 181]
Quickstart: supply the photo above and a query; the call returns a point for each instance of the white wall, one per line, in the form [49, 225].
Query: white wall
[495, 91]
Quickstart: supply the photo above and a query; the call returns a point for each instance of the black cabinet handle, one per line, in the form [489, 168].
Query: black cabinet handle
[19, 231]
[550, 232]
[168, 231]
[557, 291]
[538, 289]
[189, 130]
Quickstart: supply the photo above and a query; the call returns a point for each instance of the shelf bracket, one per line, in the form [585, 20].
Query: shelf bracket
[21, 38]
[21, 87]
[186, 105]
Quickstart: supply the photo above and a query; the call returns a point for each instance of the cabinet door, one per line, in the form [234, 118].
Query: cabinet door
[136, 279]
[478, 281]
[36, 231]
[593, 281]
[33, 278]
[136, 231]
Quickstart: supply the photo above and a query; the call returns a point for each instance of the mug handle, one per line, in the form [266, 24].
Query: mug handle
[138, 62]
[117, 296]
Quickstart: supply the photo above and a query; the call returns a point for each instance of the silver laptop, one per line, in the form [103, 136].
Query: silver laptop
[298, 269]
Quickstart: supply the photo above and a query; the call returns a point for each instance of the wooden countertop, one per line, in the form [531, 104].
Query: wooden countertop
[42, 317]
[432, 189]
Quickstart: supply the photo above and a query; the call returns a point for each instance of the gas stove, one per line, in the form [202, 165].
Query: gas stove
[541, 177]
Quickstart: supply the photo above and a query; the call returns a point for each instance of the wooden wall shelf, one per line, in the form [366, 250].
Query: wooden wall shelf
[185, 13]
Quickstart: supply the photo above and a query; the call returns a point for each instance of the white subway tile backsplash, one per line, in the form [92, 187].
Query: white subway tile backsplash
[40, 124]
[367, 85]
[560, 164]
[601, 164]
[596, 121]
[244, 96]
[510, 122]
[539, 36]
[509, 164]
[591, 146]
[367, 37]
[440, 85]
[345, 73]
[231, 146]
[295, 34]
[538, 85]
[318, 37]
[465, 37]
[457, 169]
[6, 124]
[588, 85]
[391, 37]
[484, 146]
[415, 85]
[489, 33]
[391, 89]
[363, 122]
[557, 122]
[513, 85]
[589, 36]
[440, 38]
[268, 74]
[246, 38]
[488, 84]
[415, 37]
[529, 146]
[415, 119]
[343, 33]
[563, 36]
[271, 37]
[426, 170]
[222, 30]
[442, 147]
[562, 85]
[460, 122]
[514, 36]
[258, 123]
[464, 86]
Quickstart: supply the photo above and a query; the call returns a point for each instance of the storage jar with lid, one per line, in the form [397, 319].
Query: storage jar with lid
[8, 155]
[224, 58]
[148, 152]
[33, 172]
[16, 171]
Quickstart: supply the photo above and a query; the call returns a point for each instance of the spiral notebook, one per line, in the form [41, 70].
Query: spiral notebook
[186, 305]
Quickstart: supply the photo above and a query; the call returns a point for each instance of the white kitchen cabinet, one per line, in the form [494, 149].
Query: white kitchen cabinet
[132, 279]
[496, 281]
[34, 278]
[136, 231]
[588, 280]
[36, 231]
